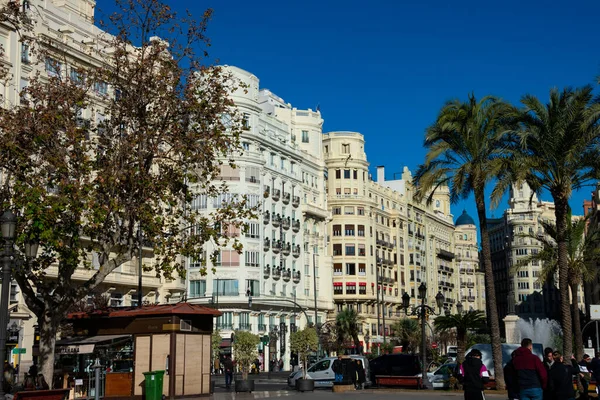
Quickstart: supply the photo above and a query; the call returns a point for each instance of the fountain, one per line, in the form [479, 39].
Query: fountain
[545, 331]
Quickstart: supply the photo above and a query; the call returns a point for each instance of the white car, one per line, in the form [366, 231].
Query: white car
[440, 378]
[322, 373]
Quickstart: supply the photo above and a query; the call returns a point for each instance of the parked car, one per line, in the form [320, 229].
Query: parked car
[440, 378]
[322, 373]
[395, 365]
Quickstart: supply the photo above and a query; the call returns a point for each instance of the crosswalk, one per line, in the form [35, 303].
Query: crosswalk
[259, 394]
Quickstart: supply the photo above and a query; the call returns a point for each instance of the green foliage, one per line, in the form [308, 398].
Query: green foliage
[408, 333]
[304, 343]
[346, 323]
[463, 323]
[387, 348]
[215, 344]
[245, 350]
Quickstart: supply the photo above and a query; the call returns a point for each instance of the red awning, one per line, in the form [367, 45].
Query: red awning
[350, 283]
[337, 283]
[362, 283]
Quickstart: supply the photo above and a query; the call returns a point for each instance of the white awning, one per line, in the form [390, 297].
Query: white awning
[84, 345]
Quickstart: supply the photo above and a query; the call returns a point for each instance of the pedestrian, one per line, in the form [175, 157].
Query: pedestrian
[361, 377]
[280, 364]
[337, 369]
[473, 375]
[560, 380]
[217, 365]
[548, 362]
[351, 372]
[584, 376]
[511, 380]
[228, 365]
[595, 365]
[531, 373]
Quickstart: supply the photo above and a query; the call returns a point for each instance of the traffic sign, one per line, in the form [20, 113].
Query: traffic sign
[434, 345]
[18, 350]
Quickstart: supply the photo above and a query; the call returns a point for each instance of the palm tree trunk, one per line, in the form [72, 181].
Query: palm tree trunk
[576, 322]
[461, 343]
[489, 288]
[561, 210]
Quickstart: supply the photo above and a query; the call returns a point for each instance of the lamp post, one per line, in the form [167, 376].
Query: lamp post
[421, 310]
[367, 337]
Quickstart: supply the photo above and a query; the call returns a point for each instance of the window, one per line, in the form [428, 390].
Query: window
[345, 148]
[338, 174]
[226, 287]
[362, 289]
[348, 210]
[337, 269]
[197, 288]
[338, 288]
[337, 249]
[361, 250]
[246, 146]
[320, 366]
[25, 53]
[116, 299]
[350, 250]
[337, 210]
[304, 136]
[350, 288]
[53, 67]
[337, 230]
[77, 77]
[252, 258]
[360, 210]
[362, 269]
[346, 174]
[350, 269]
[361, 230]
[199, 202]
[349, 230]
[355, 175]
[246, 121]
[230, 258]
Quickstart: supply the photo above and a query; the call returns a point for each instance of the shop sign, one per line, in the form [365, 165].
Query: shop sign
[75, 349]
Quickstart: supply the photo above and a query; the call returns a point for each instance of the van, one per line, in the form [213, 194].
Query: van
[395, 365]
[507, 349]
[322, 373]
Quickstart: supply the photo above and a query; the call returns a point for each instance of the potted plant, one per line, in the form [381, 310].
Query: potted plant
[303, 343]
[245, 351]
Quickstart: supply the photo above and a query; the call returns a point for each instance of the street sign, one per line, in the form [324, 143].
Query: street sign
[434, 345]
[17, 350]
[595, 312]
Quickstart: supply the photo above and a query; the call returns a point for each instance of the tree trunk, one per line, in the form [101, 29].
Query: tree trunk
[561, 210]
[461, 339]
[48, 330]
[356, 341]
[576, 322]
[490, 289]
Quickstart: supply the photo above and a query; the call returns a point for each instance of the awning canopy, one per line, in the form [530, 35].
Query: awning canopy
[85, 345]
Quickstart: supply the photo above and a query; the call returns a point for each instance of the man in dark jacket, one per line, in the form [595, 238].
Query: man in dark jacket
[228, 366]
[560, 380]
[473, 374]
[337, 368]
[595, 365]
[531, 373]
[511, 380]
[548, 362]
[584, 375]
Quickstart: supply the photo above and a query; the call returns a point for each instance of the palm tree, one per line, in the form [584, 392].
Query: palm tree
[559, 142]
[407, 332]
[467, 149]
[346, 324]
[463, 323]
[583, 254]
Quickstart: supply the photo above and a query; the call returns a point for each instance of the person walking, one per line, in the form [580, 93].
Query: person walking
[560, 380]
[473, 375]
[228, 366]
[531, 373]
[511, 380]
[584, 375]
[217, 365]
[361, 377]
[548, 362]
[337, 369]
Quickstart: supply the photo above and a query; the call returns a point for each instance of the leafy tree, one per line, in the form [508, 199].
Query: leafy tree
[583, 254]
[215, 344]
[101, 156]
[560, 153]
[346, 323]
[304, 343]
[468, 148]
[328, 337]
[245, 350]
[408, 334]
[463, 323]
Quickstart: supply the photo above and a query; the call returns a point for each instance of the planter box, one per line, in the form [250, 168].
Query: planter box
[305, 385]
[242, 385]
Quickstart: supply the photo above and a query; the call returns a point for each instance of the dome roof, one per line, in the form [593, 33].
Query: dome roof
[464, 219]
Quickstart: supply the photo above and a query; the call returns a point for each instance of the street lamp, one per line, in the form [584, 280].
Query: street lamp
[367, 337]
[421, 310]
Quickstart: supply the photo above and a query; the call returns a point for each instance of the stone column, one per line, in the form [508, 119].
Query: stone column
[510, 327]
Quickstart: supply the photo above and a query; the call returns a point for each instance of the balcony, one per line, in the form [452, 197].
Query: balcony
[287, 275]
[276, 194]
[470, 284]
[286, 198]
[296, 277]
[471, 298]
[296, 225]
[262, 327]
[379, 260]
[266, 217]
[445, 254]
[267, 192]
[286, 249]
[276, 273]
[276, 246]
[463, 284]
[225, 326]
[245, 327]
[295, 201]
[470, 271]
[286, 222]
[276, 220]
[296, 251]
[266, 271]
[267, 244]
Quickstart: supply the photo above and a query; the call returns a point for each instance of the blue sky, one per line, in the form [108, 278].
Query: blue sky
[384, 68]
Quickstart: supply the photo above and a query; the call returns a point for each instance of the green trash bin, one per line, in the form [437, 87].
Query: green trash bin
[154, 384]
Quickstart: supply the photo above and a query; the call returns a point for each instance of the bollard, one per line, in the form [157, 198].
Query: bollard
[97, 367]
